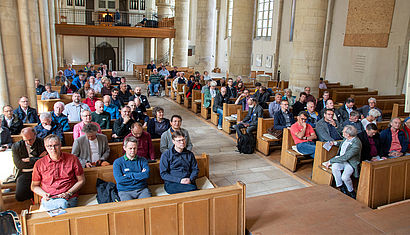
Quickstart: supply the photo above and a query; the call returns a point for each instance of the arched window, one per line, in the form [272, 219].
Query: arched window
[264, 18]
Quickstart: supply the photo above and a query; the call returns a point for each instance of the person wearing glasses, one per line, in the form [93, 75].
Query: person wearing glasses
[57, 177]
[166, 137]
[178, 166]
[304, 135]
[85, 119]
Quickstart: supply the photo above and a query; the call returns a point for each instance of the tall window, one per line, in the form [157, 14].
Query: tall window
[79, 3]
[137, 4]
[264, 20]
[110, 4]
[69, 2]
[229, 19]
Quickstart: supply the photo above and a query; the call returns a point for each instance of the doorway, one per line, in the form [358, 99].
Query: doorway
[104, 53]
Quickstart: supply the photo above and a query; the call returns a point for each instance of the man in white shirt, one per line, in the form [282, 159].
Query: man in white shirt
[92, 148]
[73, 110]
[95, 85]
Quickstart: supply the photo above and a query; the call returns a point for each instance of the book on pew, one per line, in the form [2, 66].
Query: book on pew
[269, 136]
[327, 146]
[55, 212]
[229, 118]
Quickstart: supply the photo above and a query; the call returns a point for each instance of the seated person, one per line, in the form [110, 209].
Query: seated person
[115, 98]
[328, 128]
[73, 109]
[131, 173]
[91, 99]
[143, 98]
[10, 120]
[346, 160]
[57, 177]
[250, 122]
[330, 105]
[166, 137]
[303, 135]
[25, 113]
[49, 93]
[354, 121]
[83, 90]
[313, 115]
[243, 100]
[79, 82]
[5, 139]
[96, 85]
[393, 140]
[321, 104]
[370, 143]
[85, 119]
[309, 97]
[124, 94]
[299, 105]
[240, 87]
[47, 127]
[178, 166]
[322, 84]
[346, 109]
[92, 148]
[110, 108]
[262, 97]
[275, 105]
[289, 97]
[122, 125]
[231, 90]
[39, 88]
[145, 148]
[100, 116]
[283, 118]
[153, 82]
[406, 130]
[152, 65]
[364, 110]
[209, 94]
[106, 89]
[179, 80]
[206, 86]
[69, 73]
[158, 124]
[371, 117]
[67, 88]
[194, 86]
[57, 116]
[220, 99]
[139, 114]
[25, 153]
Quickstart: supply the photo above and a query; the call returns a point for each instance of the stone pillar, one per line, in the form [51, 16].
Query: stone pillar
[4, 91]
[181, 34]
[45, 40]
[164, 11]
[60, 50]
[35, 38]
[310, 21]
[205, 35]
[26, 50]
[147, 50]
[12, 54]
[241, 39]
[51, 14]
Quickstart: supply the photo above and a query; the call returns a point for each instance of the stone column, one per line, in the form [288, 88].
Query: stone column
[60, 50]
[205, 35]
[147, 50]
[26, 50]
[4, 91]
[12, 54]
[35, 38]
[181, 34]
[309, 32]
[164, 11]
[51, 14]
[45, 39]
[241, 39]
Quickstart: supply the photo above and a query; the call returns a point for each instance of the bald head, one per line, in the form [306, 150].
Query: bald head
[99, 107]
[29, 135]
[107, 100]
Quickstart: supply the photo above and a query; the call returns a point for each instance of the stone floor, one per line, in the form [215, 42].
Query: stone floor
[226, 165]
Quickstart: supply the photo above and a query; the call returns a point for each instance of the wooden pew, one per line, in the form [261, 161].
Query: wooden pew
[263, 143]
[214, 116]
[398, 111]
[360, 100]
[179, 96]
[219, 209]
[341, 96]
[168, 87]
[384, 182]
[227, 121]
[321, 175]
[288, 157]
[187, 101]
[69, 138]
[196, 101]
[336, 88]
[205, 112]
[116, 151]
[46, 105]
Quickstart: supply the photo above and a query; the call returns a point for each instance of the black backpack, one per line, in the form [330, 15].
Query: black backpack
[106, 192]
[9, 223]
[246, 143]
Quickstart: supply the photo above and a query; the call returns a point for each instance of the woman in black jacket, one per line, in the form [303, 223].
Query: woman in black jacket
[67, 88]
[158, 124]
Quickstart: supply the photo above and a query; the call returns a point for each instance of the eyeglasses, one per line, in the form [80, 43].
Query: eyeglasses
[52, 146]
[303, 119]
[180, 140]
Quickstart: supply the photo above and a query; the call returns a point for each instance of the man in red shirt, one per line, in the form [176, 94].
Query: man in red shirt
[145, 148]
[57, 177]
[303, 135]
[91, 99]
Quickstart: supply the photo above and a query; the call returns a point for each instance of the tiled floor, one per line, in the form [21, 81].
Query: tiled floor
[226, 165]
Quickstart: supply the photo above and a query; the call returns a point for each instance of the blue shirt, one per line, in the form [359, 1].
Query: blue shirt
[77, 82]
[113, 110]
[62, 120]
[175, 166]
[163, 73]
[69, 73]
[128, 173]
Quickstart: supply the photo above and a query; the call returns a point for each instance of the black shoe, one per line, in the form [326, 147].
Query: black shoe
[352, 194]
[343, 189]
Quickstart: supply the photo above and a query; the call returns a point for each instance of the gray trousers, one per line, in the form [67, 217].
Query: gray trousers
[135, 194]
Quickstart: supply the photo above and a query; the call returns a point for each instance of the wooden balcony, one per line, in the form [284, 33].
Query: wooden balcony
[114, 31]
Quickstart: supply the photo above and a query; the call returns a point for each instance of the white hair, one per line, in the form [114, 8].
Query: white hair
[350, 130]
[374, 113]
[371, 99]
[44, 116]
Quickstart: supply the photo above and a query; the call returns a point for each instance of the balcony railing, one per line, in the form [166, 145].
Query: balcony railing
[90, 17]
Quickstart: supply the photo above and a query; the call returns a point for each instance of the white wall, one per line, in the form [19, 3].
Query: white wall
[75, 49]
[134, 51]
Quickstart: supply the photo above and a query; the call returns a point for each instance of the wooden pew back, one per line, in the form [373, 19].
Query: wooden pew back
[384, 182]
[321, 175]
[361, 100]
[263, 125]
[341, 96]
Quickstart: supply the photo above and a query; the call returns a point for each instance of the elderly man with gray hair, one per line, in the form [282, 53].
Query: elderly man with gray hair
[47, 127]
[92, 148]
[371, 106]
[58, 116]
[347, 160]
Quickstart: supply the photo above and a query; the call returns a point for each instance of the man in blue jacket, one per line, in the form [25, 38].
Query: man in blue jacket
[178, 166]
[393, 140]
[131, 173]
[25, 112]
[283, 118]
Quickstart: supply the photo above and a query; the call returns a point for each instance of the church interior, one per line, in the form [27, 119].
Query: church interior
[297, 113]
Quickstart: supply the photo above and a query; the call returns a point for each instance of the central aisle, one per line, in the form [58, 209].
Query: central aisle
[226, 165]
